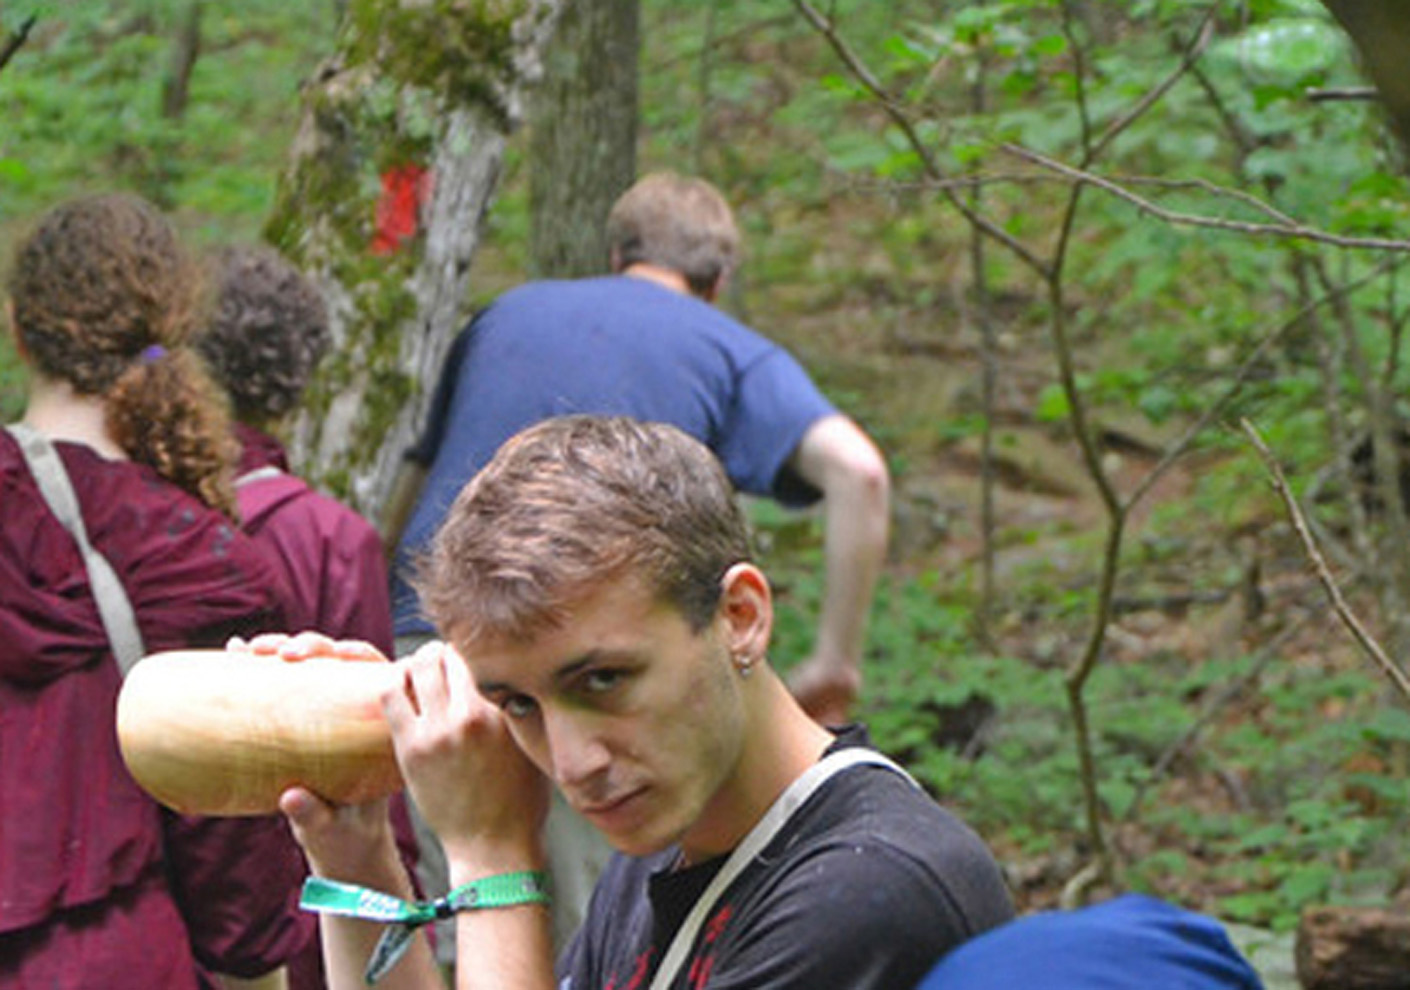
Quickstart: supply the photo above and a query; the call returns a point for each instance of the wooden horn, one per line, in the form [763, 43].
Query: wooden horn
[210, 732]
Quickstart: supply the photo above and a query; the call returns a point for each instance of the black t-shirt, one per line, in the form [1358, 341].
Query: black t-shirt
[868, 884]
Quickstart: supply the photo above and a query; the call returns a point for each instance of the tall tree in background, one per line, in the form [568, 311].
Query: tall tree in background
[582, 136]
[394, 165]
[1381, 33]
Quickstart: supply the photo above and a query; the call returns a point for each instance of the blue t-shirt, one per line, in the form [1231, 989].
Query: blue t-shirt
[615, 346]
[1128, 943]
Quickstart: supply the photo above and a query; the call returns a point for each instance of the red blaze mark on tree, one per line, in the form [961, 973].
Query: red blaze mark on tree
[404, 189]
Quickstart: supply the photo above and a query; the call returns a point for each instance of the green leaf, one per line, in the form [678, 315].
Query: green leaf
[1159, 403]
[1052, 405]
[14, 171]
[1388, 725]
[1049, 45]
[1291, 48]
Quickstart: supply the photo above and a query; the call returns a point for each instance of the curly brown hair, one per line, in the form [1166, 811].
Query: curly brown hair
[267, 332]
[105, 299]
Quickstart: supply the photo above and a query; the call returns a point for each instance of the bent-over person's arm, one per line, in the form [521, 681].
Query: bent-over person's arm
[840, 460]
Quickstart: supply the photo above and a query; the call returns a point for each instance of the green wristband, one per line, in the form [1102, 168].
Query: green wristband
[404, 917]
[500, 890]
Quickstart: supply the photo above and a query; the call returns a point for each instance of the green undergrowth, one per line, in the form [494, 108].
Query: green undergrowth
[1288, 791]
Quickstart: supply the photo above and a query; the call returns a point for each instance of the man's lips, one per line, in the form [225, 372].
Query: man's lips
[613, 809]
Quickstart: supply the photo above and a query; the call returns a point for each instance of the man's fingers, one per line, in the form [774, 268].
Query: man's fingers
[297, 647]
[304, 645]
[308, 644]
[428, 680]
[265, 643]
[406, 700]
[356, 649]
[460, 686]
[306, 811]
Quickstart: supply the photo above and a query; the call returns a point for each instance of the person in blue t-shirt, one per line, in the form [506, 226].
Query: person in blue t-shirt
[1132, 942]
[647, 342]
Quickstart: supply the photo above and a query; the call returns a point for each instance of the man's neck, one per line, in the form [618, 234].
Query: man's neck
[781, 743]
[665, 277]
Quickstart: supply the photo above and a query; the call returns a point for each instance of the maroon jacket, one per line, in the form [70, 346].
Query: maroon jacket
[333, 561]
[95, 877]
[330, 556]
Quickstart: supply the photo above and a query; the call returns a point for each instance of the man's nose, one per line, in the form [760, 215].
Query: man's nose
[576, 749]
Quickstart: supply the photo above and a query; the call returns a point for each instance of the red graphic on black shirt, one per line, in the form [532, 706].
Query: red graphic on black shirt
[704, 964]
[638, 974]
[700, 967]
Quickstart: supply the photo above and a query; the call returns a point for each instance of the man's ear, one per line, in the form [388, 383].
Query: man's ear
[614, 260]
[747, 609]
[717, 287]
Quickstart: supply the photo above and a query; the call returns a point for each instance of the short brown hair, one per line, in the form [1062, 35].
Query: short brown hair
[267, 332]
[571, 503]
[676, 222]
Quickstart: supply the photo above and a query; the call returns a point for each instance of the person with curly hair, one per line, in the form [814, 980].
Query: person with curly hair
[99, 885]
[267, 333]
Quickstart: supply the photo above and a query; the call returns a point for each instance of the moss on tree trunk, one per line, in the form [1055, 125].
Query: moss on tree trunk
[394, 165]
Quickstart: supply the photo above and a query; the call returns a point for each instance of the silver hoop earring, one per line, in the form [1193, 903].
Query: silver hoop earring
[744, 665]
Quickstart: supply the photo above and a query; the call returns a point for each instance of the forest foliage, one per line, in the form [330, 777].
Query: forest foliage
[1041, 249]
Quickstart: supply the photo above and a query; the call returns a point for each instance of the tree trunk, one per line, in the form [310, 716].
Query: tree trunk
[1346, 948]
[582, 137]
[392, 170]
[1381, 33]
[185, 49]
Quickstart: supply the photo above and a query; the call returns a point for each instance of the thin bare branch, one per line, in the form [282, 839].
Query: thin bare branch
[1193, 51]
[1079, 82]
[1216, 191]
[17, 39]
[1288, 230]
[1363, 638]
[1176, 450]
[1344, 93]
[824, 26]
[1244, 138]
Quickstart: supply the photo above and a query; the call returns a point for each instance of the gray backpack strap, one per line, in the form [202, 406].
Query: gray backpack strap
[258, 474]
[758, 839]
[115, 608]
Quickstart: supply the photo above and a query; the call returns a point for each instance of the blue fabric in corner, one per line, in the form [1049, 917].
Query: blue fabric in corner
[1132, 942]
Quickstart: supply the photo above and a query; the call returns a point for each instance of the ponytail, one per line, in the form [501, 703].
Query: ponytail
[166, 412]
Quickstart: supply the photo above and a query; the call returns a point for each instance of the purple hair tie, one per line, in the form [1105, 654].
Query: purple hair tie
[152, 354]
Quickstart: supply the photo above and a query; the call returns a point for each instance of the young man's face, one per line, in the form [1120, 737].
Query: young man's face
[638, 720]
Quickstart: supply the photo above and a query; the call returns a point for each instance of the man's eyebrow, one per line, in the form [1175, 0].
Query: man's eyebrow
[575, 666]
[565, 673]
[592, 658]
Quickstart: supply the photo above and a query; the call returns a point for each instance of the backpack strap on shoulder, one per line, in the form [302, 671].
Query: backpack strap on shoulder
[114, 606]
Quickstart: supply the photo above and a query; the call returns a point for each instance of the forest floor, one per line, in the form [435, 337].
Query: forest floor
[919, 371]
